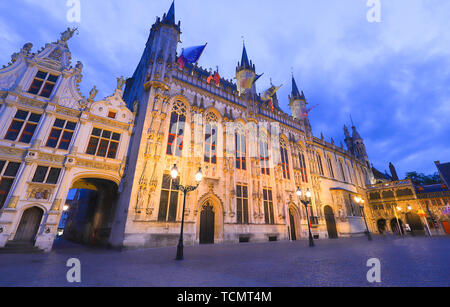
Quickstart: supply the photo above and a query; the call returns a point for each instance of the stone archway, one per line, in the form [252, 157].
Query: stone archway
[29, 225]
[209, 212]
[91, 207]
[381, 226]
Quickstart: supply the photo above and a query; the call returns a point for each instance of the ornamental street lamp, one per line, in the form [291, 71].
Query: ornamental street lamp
[306, 202]
[185, 190]
[361, 201]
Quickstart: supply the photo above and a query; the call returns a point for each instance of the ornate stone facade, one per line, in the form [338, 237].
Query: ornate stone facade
[170, 115]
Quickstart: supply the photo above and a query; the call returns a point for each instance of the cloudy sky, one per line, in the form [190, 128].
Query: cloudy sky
[393, 77]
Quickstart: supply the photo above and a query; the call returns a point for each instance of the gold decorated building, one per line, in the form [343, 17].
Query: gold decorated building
[103, 166]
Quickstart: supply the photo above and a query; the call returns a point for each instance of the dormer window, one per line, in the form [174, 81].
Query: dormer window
[43, 84]
[112, 114]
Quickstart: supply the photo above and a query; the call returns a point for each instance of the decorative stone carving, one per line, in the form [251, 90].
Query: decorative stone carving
[120, 83]
[66, 35]
[13, 202]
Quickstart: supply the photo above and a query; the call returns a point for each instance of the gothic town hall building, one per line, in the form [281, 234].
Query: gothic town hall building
[102, 166]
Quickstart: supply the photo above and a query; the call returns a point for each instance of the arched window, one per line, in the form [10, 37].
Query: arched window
[302, 164]
[319, 164]
[342, 170]
[176, 129]
[211, 138]
[284, 159]
[330, 167]
[240, 146]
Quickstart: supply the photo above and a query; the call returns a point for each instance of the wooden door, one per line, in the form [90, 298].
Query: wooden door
[29, 225]
[207, 225]
[292, 221]
[331, 223]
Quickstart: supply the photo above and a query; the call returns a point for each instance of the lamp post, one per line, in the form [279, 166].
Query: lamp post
[185, 190]
[361, 201]
[306, 202]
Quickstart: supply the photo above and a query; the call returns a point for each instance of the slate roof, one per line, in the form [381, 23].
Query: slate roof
[444, 172]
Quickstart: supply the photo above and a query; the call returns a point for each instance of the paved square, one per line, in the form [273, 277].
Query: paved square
[418, 261]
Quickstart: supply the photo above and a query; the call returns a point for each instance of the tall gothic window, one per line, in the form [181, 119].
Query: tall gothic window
[169, 199]
[342, 170]
[211, 138]
[242, 204]
[284, 159]
[239, 138]
[264, 156]
[330, 167]
[268, 206]
[23, 126]
[302, 164]
[8, 172]
[319, 164]
[176, 129]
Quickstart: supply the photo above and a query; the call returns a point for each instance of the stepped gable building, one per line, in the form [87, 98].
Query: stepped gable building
[117, 154]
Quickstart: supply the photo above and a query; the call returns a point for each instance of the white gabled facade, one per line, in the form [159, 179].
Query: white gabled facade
[46, 125]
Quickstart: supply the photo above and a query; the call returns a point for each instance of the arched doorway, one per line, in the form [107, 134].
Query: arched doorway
[381, 225]
[29, 225]
[415, 224]
[397, 227]
[207, 224]
[331, 222]
[89, 214]
[293, 226]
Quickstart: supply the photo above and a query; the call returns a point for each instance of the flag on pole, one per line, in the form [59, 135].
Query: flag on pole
[305, 115]
[190, 55]
[215, 77]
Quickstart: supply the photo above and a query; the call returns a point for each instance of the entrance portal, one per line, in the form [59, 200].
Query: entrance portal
[292, 223]
[331, 222]
[415, 224]
[381, 225]
[207, 224]
[91, 206]
[397, 227]
[29, 225]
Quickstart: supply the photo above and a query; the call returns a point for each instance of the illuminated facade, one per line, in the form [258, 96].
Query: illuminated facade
[252, 154]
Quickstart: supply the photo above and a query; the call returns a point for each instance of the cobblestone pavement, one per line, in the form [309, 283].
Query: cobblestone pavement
[415, 261]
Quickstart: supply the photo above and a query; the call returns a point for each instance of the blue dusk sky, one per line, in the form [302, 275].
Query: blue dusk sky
[393, 77]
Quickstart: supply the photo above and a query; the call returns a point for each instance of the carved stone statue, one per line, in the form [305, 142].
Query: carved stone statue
[135, 106]
[27, 48]
[93, 93]
[79, 65]
[66, 35]
[120, 83]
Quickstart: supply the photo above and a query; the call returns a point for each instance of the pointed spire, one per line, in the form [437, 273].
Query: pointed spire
[170, 17]
[355, 134]
[295, 93]
[347, 134]
[244, 60]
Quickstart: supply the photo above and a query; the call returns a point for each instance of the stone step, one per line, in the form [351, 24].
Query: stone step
[20, 248]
